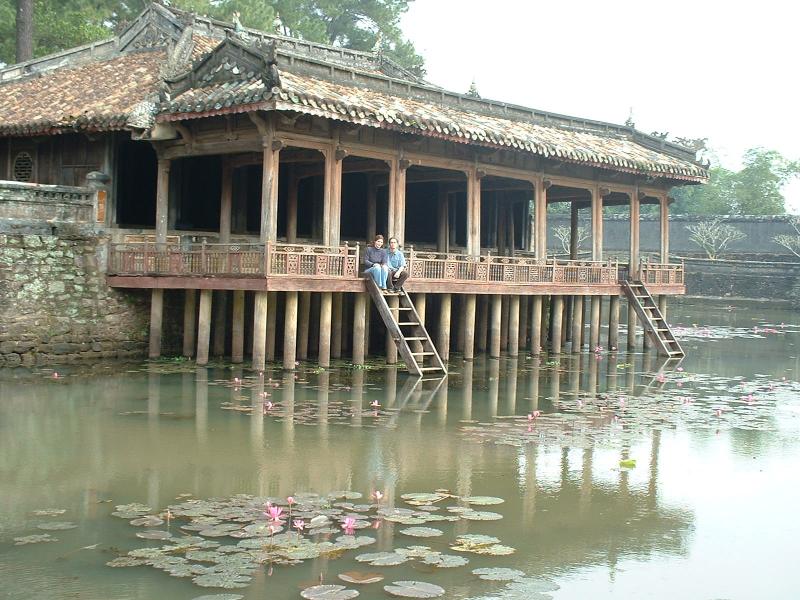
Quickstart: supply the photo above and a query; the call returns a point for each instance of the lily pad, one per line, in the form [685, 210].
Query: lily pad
[481, 515]
[360, 578]
[126, 561]
[422, 532]
[219, 597]
[498, 574]
[156, 534]
[148, 521]
[382, 559]
[328, 592]
[482, 500]
[423, 498]
[223, 579]
[56, 525]
[628, 463]
[414, 589]
[34, 539]
[445, 561]
[49, 512]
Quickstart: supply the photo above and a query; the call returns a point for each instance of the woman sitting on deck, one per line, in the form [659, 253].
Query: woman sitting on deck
[376, 262]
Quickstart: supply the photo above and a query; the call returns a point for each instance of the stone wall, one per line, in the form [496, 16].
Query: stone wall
[55, 305]
[744, 279]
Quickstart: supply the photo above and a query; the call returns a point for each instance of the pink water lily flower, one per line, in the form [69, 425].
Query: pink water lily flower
[290, 500]
[274, 513]
[378, 495]
[348, 525]
[299, 524]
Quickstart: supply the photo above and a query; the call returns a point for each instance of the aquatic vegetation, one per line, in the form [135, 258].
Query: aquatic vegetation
[34, 539]
[359, 577]
[498, 574]
[414, 589]
[56, 525]
[328, 592]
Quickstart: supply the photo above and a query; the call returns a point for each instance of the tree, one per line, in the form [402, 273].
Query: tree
[563, 234]
[24, 23]
[789, 241]
[714, 236]
[753, 190]
[355, 24]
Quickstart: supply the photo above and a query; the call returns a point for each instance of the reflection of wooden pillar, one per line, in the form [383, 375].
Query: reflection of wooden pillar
[391, 346]
[359, 322]
[513, 325]
[613, 323]
[189, 322]
[156, 322]
[558, 315]
[443, 238]
[204, 327]
[523, 322]
[469, 327]
[577, 322]
[664, 212]
[631, 327]
[237, 334]
[290, 331]
[594, 335]
[325, 312]
[260, 330]
[336, 325]
[303, 325]
[536, 325]
[497, 308]
[291, 209]
[445, 307]
[272, 324]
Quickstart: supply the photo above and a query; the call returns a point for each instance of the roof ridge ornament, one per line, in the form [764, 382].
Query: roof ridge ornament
[472, 92]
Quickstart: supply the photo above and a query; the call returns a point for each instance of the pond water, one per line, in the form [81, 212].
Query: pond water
[619, 477]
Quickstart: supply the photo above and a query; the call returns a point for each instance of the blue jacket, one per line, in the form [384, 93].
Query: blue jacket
[396, 259]
[374, 256]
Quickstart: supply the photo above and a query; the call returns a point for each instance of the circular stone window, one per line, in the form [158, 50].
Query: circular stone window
[23, 167]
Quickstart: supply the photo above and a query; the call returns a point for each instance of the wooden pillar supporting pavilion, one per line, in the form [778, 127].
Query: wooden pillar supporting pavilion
[558, 315]
[162, 223]
[482, 325]
[597, 222]
[523, 322]
[325, 314]
[336, 324]
[662, 305]
[359, 326]
[469, 326]
[220, 329]
[372, 207]
[420, 305]
[290, 331]
[445, 308]
[504, 302]
[494, 344]
[291, 209]
[576, 323]
[189, 322]
[594, 326]
[613, 323]
[513, 326]
[237, 333]
[443, 219]
[156, 322]
[303, 325]
[332, 201]
[397, 199]
[260, 309]
[272, 324]
[631, 328]
[664, 222]
[391, 346]
[540, 218]
[536, 325]
[204, 327]
[634, 234]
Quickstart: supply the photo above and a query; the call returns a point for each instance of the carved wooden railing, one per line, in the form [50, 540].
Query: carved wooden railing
[437, 266]
[309, 260]
[661, 273]
[210, 260]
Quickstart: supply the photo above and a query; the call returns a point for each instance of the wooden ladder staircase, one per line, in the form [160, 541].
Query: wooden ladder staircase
[655, 326]
[404, 326]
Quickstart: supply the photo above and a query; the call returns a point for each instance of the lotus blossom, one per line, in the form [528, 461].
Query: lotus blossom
[349, 525]
[274, 513]
[598, 349]
[378, 495]
[534, 415]
[660, 378]
[374, 404]
[299, 524]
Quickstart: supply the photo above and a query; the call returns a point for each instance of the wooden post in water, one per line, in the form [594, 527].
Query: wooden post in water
[564, 320]
[303, 325]
[156, 322]
[290, 331]
[337, 317]
[260, 313]
[513, 325]
[391, 346]
[469, 327]
[189, 322]
[494, 344]
[420, 305]
[204, 327]
[483, 323]
[631, 328]
[536, 325]
[325, 313]
[558, 315]
[237, 334]
[523, 322]
[584, 339]
[504, 323]
[359, 323]
[220, 322]
[613, 323]
[662, 305]
[577, 322]
[445, 307]
[271, 324]
[461, 320]
[594, 335]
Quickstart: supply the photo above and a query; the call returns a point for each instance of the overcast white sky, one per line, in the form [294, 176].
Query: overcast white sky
[727, 71]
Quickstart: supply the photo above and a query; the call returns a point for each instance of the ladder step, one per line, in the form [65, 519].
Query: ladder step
[415, 339]
[401, 323]
[430, 369]
[399, 308]
[422, 354]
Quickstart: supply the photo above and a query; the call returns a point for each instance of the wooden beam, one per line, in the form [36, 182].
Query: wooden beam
[443, 219]
[272, 325]
[332, 213]
[226, 202]
[540, 219]
[664, 222]
[613, 323]
[359, 327]
[372, 207]
[513, 326]
[536, 325]
[291, 209]
[577, 323]
[337, 314]
[558, 315]
[594, 325]
[473, 213]
[573, 231]
[634, 235]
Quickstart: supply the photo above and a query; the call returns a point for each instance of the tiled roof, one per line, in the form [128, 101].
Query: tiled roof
[94, 95]
[305, 94]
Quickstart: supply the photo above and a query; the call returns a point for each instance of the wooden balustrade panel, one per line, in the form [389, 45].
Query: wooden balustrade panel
[298, 260]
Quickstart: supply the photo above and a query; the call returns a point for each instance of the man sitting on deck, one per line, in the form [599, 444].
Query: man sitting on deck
[397, 266]
[376, 262]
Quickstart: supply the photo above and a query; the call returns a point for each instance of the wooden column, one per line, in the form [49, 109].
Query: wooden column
[461, 317]
[397, 199]
[420, 305]
[564, 320]
[156, 321]
[577, 322]
[613, 323]
[558, 312]
[290, 331]
[332, 211]
[260, 310]
[359, 323]
[664, 212]
[483, 323]
[474, 212]
[220, 323]
[372, 207]
[237, 334]
[221, 300]
[445, 307]
[443, 219]
[303, 325]
[513, 326]
[504, 323]
[269, 184]
[536, 325]
[597, 223]
[204, 327]
[391, 346]
[573, 230]
[189, 322]
[494, 345]
[584, 339]
[291, 209]
[337, 318]
[594, 327]
[662, 305]
[325, 313]
[631, 328]
[272, 324]
[540, 218]
[469, 326]
[523, 321]
[634, 234]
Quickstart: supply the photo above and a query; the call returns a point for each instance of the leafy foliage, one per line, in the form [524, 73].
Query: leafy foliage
[352, 24]
[754, 190]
